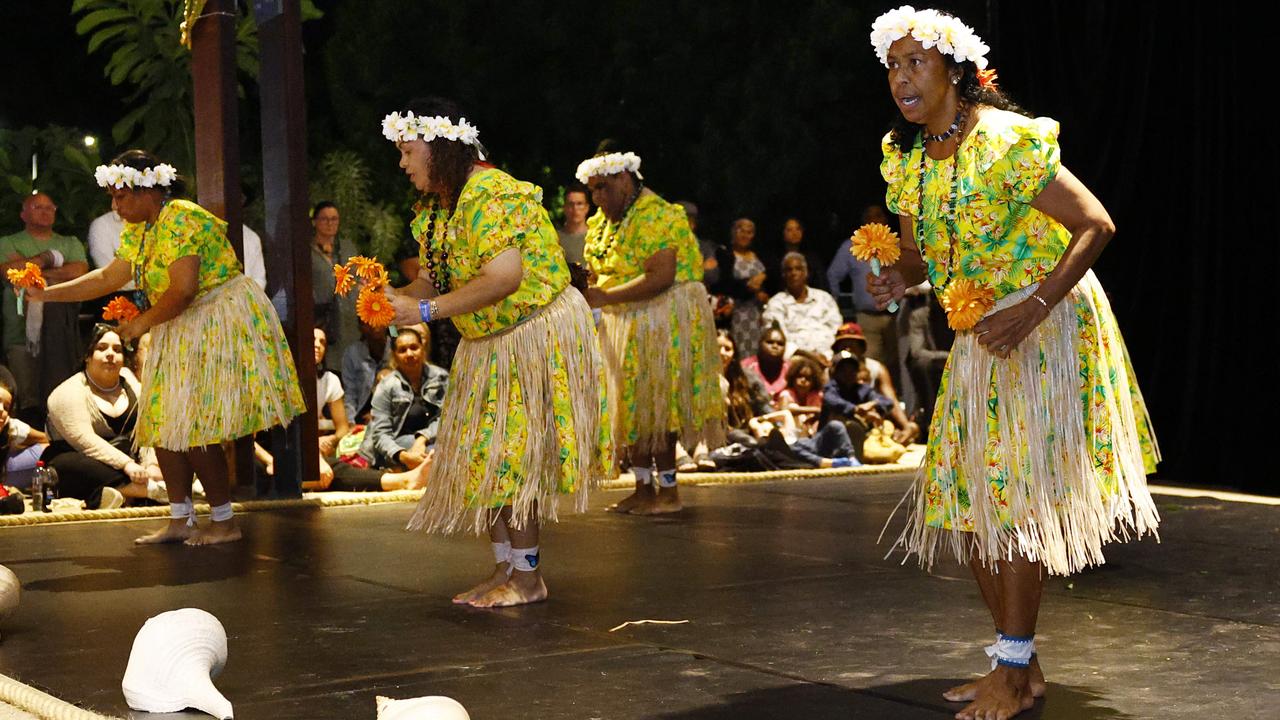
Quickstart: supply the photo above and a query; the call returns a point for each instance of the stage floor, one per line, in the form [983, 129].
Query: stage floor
[791, 610]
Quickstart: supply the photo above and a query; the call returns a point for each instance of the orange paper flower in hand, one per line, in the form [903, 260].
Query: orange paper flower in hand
[28, 277]
[373, 307]
[876, 244]
[966, 302]
[369, 270]
[342, 280]
[120, 309]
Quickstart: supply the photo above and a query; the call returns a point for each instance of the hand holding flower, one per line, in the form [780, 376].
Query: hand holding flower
[877, 245]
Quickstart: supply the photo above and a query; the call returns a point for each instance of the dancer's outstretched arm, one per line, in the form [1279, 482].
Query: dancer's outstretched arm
[93, 284]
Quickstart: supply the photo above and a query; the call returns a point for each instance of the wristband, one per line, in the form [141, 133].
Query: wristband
[1040, 300]
[424, 310]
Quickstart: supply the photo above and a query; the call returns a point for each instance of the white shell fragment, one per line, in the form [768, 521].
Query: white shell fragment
[10, 593]
[431, 707]
[174, 659]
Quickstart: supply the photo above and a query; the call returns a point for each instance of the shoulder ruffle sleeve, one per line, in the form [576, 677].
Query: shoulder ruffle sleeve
[1020, 156]
[500, 213]
[898, 170]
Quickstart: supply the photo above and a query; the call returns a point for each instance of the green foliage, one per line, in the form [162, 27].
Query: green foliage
[65, 173]
[377, 229]
[143, 40]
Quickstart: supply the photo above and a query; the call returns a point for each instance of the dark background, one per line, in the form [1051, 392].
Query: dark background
[767, 109]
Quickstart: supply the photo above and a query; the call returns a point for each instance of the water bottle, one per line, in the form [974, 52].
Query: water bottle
[37, 487]
[44, 487]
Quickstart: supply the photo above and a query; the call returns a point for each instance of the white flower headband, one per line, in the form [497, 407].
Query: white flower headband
[931, 28]
[398, 128]
[119, 176]
[610, 164]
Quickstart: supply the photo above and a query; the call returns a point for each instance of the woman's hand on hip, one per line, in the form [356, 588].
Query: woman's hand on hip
[1001, 333]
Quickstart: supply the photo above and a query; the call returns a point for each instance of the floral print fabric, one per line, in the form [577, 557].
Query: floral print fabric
[182, 229]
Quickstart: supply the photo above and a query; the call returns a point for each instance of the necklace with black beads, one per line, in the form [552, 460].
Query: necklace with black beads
[433, 252]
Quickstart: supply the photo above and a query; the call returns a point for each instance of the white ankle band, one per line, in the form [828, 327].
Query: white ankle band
[502, 554]
[1011, 651]
[667, 478]
[524, 559]
[185, 509]
[221, 513]
[644, 475]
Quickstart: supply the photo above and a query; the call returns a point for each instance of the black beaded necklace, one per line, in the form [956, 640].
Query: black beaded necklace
[432, 243]
[951, 131]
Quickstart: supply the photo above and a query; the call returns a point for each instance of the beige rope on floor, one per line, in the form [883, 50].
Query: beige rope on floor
[42, 704]
[344, 499]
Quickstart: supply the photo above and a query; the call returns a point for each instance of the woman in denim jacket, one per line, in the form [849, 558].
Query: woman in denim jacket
[406, 405]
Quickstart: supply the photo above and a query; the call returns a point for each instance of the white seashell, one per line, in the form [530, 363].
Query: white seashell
[174, 659]
[10, 592]
[431, 707]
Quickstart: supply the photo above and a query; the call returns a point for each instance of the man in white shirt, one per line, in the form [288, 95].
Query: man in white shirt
[808, 316]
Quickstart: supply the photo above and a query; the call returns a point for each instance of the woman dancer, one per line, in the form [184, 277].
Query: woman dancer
[1040, 443]
[218, 368]
[524, 415]
[657, 333]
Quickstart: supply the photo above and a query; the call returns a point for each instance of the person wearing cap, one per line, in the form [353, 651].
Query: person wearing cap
[850, 337]
[847, 397]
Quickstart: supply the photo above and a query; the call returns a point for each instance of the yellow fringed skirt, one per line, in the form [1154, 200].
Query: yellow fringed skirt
[663, 367]
[219, 371]
[1043, 455]
[524, 422]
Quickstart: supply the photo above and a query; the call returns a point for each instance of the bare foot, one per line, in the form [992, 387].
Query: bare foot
[523, 588]
[666, 501]
[216, 533]
[498, 577]
[175, 531]
[643, 495]
[968, 691]
[1000, 695]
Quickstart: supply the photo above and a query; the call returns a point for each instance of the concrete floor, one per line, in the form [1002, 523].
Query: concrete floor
[792, 613]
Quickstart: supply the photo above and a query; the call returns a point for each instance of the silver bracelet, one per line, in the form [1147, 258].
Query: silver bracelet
[1040, 300]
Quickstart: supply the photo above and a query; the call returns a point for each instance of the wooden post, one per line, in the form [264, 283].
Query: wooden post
[213, 73]
[287, 236]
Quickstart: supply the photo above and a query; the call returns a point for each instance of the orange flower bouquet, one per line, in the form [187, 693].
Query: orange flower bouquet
[120, 309]
[28, 277]
[877, 245]
[372, 304]
[966, 302]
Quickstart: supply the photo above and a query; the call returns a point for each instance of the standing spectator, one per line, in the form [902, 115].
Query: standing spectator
[770, 363]
[104, 239]
[742, 278]
[929, 344]
[577, 205]
[360, 364]
[793, 242]
[327, 250]
[43, 344]
[808, 316]
[879, 326]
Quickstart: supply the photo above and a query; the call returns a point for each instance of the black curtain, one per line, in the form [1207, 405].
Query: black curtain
[1166, 115]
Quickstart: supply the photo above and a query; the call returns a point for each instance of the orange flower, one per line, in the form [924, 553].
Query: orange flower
[27, 277]
[875, 241]
[987, 79]
[369, 270]
[373, 307]
[121, 309]
[342, 280]
[966, 302]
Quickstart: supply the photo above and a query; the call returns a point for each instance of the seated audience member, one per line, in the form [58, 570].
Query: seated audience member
[850, 338]
[808, 316]
[406, 405]
[848, 398]
[803, 394]
[331, 417]
[745, 393]
[928, 348]
[830, 446]
[769, 363]
[24, 445]
[361, 362]
[91, 419]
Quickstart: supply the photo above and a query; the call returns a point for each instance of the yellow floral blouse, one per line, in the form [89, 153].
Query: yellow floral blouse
[182, 229]
[996, 238]
[496, 212]
[616, 253]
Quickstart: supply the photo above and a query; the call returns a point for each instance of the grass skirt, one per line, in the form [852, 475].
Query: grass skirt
[524, 422]
[1044, 454]
[220, 370]
[663, 367]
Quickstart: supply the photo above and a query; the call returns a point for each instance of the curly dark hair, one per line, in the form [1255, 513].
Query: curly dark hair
[450, 161]
[903, 133]
[141, 160]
